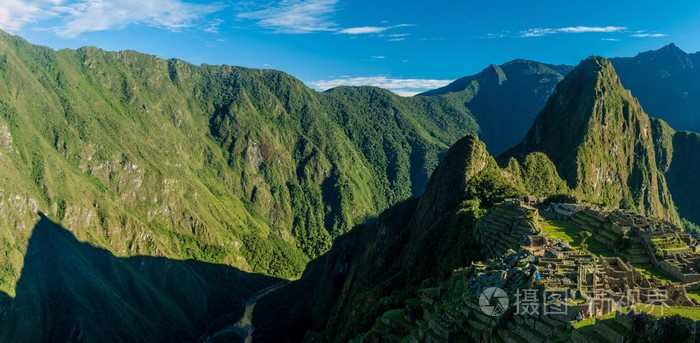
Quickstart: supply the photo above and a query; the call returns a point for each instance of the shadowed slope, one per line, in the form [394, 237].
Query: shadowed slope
[504, 99]
[72, 291]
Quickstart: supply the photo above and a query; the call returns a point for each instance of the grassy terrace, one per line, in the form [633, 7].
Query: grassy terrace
[590, 321]
[569, 232]
[695, 294]
[649, 270]
[667, 311]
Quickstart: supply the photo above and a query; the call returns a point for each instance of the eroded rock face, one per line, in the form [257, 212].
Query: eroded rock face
[5, 137]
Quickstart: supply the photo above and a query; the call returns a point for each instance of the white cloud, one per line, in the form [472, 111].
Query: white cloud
[296, 16]
[15, 14]
[79, 16]
[539, 32]
[649, 35]
[403, 87]
[610, 39]
[363, 30]
[101, 15]
[378, 57]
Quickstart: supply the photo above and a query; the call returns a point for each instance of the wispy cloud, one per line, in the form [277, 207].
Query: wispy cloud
[295, 16]
[213, 26]
[102, 15]
[610, 39]
[15, 14]
[539, 32]
[363, 30]
[80, 16]
[496, 35]
[649, 35]
[403, 87]
[378, 57]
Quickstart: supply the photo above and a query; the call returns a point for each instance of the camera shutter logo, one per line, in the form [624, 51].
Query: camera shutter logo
[493, 301]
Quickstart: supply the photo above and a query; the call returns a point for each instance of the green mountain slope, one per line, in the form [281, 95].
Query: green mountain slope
[601, 141]
[525, 84]
[249, 168]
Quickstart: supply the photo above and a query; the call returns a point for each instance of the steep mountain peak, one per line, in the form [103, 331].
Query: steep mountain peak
[466, 158]
[672, 48]
[600, 139]
[593, 69]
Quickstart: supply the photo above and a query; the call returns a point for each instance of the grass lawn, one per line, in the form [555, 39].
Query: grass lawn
[666, 311]
[590, 321]
[695, 294]
[569, 232]
[649, 270]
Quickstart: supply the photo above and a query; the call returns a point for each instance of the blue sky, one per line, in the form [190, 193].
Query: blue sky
[407, 46]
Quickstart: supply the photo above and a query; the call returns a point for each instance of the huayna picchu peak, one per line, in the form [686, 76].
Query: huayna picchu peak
[601, 141]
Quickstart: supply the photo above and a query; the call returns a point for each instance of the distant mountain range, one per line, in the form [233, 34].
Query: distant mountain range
[505, 99]
[665, 81]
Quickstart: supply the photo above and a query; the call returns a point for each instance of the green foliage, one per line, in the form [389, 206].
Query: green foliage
[541, 177]
[492, 186]
[249, 168]
[691, 227]
[525, 84]
[561, 199]
[622, 244]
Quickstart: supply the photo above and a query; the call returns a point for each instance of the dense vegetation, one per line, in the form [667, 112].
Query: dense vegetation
[71, 291]
[250, 168]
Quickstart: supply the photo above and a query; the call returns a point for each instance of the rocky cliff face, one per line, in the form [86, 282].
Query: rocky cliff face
[601, 141]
